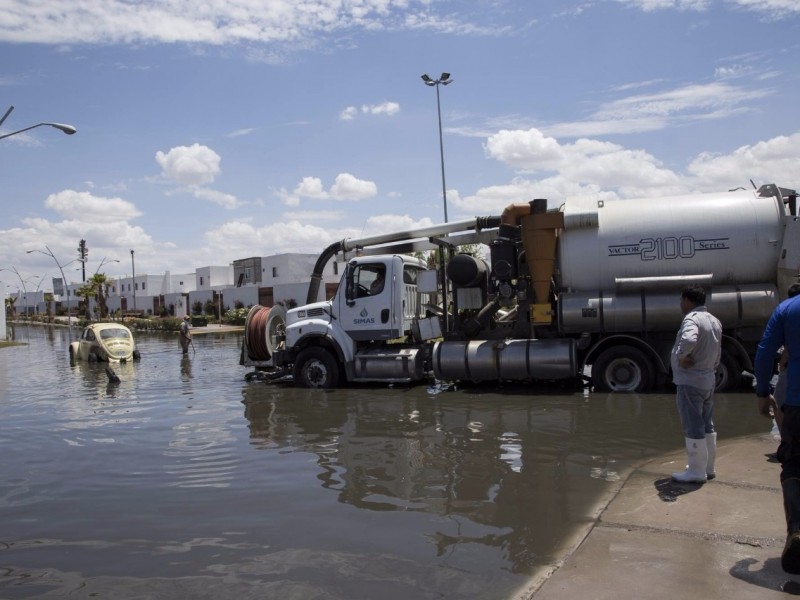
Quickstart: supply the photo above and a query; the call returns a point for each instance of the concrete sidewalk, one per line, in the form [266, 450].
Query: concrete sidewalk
[660, 539]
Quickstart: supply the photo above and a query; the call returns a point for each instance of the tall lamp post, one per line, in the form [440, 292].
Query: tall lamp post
[36, 294]
[105, 261]
[24, 289]
[63, 277]
[133, 277]
[444, 79]
[68, 129]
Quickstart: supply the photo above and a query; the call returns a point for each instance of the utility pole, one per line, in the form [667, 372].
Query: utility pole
[83, 252]
[133, 277]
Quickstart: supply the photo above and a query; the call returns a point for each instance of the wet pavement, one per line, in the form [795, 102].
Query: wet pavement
[661, 539]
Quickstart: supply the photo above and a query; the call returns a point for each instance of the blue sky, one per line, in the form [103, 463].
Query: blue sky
[226, 129]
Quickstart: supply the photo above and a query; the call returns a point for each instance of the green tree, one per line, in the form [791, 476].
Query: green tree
[10, 305]
[48, 299]
[96, 288]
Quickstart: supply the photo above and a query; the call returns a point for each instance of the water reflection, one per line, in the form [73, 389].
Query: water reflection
[184, 480]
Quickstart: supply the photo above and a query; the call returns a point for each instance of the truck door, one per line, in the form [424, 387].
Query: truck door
[366, 310]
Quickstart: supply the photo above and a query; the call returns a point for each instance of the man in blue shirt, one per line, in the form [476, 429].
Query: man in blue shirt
[783, 329]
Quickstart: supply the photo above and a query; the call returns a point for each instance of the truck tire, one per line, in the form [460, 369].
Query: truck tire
[315, 367]
[729, 373]
[622, 369]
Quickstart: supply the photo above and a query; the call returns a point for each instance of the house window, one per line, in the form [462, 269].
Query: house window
[180, 283]
[335, 268]
[143, 284]
[274, 271]
[135, 286]
[201, 281]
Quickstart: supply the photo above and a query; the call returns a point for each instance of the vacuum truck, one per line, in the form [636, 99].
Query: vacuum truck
[592, 286]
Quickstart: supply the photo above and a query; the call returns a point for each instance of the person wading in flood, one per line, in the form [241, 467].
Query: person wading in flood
[186, 335]
[695, 357]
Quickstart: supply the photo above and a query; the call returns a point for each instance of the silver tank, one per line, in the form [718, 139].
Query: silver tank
[609, 312]
[512, 360]
[731, 238]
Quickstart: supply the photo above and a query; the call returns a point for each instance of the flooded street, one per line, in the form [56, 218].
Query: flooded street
[185, 481]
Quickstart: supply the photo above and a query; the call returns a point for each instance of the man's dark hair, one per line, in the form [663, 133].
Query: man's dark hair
[793, 290]
[694, 294]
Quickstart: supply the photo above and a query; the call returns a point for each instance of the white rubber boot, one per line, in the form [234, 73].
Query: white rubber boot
[695, 472]
[711, 444]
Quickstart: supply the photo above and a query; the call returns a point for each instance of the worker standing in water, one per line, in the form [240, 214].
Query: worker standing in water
[185, 334]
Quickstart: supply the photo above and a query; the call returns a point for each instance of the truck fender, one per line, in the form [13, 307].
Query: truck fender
[625, 340]
[322, 341]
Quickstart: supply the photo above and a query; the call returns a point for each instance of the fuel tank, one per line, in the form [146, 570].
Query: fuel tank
[731, 237]
[510, 360]
[609, 312]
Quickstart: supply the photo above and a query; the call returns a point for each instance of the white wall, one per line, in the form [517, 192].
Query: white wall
[213, 277]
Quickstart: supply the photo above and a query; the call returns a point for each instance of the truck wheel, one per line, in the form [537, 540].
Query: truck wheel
[729, 374]
[622, 369]
[315, 368]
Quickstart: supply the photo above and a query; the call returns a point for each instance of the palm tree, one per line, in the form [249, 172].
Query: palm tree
[48, 299]
[96, 288]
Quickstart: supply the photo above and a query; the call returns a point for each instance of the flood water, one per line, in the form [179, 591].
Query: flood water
[186, 481]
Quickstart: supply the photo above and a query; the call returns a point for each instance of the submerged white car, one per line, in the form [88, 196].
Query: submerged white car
[105, 342]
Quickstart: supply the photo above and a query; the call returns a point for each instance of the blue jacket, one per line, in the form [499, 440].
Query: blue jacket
[783, 329]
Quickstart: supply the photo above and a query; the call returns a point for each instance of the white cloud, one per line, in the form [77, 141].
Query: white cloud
[606, 170]
[217, 22]
[345, 187]
[772, 8]
[651, 112]
[348, 187]
[239, 238]
[189, 165]
[772, 161]
[386, 108]
[192, 167]
[349, 113]
[311, 187]
[383, 223]
[221, 198]
[86, 207]
[651, 5]
[241, 132]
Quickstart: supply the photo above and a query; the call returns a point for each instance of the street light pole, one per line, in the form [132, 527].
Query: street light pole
[24, 289]
[133, 278]
[444, 79]
[68, 129]
[63, 279]
[36, 294]
[105, 261]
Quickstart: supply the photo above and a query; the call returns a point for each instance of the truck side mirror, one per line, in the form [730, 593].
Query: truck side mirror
[349, 287]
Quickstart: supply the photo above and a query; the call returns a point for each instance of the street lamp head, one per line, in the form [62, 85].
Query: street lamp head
[426, 78]
[68, 129]
[444, 78]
